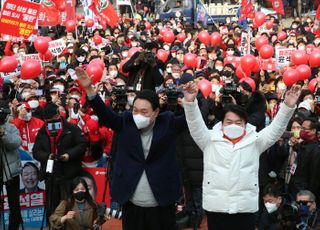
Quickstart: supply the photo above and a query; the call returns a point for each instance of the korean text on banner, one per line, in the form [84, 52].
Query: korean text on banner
[283, 57]
[245, 44]
[18, 18]
[56, 47]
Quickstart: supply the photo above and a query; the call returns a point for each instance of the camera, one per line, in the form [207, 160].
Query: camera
[173, 94]
[147, 57]
[230, 88]
[119, 98]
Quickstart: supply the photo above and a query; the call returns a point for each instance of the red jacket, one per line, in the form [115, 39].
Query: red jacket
[28, 131]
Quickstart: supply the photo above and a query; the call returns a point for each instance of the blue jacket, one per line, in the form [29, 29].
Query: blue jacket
[161, 165]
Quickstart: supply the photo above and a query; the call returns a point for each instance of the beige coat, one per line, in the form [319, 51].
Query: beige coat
[77, 223]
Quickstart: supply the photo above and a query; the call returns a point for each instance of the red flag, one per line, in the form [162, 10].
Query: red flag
[49, 14]
[318, 13]
[104, 10]
[277, 5]
[246, 9]
[70, 12]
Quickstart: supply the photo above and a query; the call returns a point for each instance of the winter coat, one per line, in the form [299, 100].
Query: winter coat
[256, 110]
[161, 164]
[71, 141]
[11, 158]
[152, 77]
[230, 180]
[28, 131]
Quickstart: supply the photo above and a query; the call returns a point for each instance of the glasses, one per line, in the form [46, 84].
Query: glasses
[304, 202]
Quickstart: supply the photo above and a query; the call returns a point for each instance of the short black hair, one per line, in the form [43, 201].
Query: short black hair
[313, 123]
[237, 109]
[31, 164]
[271, 190]
[150, 96]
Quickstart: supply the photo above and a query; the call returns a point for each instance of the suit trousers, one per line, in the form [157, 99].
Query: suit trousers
[142, 218]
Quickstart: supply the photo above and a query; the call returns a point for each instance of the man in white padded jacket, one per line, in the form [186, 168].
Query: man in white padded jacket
[231, 159]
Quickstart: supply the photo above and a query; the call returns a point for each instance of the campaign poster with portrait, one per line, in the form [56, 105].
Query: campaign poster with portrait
[32, 194]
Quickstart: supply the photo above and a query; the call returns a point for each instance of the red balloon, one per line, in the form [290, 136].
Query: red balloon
[257, 67]
[95, 72]
[260, 41]
[190, 60]
[147, 25]
[312, 85]
[250, 82]
[215, 38]
[242, 74]
[162, 55]
[163, 30]
[290, 77]
[181, 37]
[269, 25]
[97, 39]
[8, 64]
[255, 25]
[30, 69]
[304, 72]
[89, 22]
[47, 56]
[132, 51]
[168, 37]
[260, 18]
[80, 17]
[204, 37]
[205, 87]
[70, 25]
[121, 65]
[266, 51]
[248, 62]
[282, 36]
[299, 57]
[41, 44]
[97, 62]
[314, 58]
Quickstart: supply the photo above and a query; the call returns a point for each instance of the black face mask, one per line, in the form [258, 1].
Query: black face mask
[243, 99]
[227, 73]
[79, 195]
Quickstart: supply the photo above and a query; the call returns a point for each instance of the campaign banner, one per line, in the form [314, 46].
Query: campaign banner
[268, 64]
[234, 60]
[23, 58]
[283, 57]
[96, 178]
[69, 13]
[32, 193]
[245, 43]
[56, 47]
[18, 18]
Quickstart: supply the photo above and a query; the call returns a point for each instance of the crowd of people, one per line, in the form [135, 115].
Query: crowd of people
[246, 155]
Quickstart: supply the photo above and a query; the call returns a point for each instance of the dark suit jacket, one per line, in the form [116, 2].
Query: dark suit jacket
[161, 165]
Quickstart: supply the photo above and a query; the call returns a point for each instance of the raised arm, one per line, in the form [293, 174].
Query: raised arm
[105, 114]
[198, 129]
[271, 134]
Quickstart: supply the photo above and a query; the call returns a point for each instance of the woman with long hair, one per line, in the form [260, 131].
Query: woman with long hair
[78, 212]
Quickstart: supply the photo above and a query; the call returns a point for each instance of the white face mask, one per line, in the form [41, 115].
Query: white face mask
[301, 48]
[166, 48]
[173, 55]
[124, 54]
[271, 207]
[282, 86]
[215, 88]
[141, 121]
[230, 52]
[219, 68]
[70, 51]
[169, 70]
[75, 96]
[81, 59]
[33, 104]
[134, 44]
[27, 117]
[24, 95]
[15, 50]
[113, 73]
[59, 87]
[233, 131]
[176, 75]
[94, 117]
[130, 100]
[85, 49]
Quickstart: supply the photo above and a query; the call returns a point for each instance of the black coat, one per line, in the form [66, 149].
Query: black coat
[152, 77]
[71, 141]
[161, 164]
[256, 110]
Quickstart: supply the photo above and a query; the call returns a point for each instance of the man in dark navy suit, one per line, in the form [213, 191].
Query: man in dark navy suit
[146, 178]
